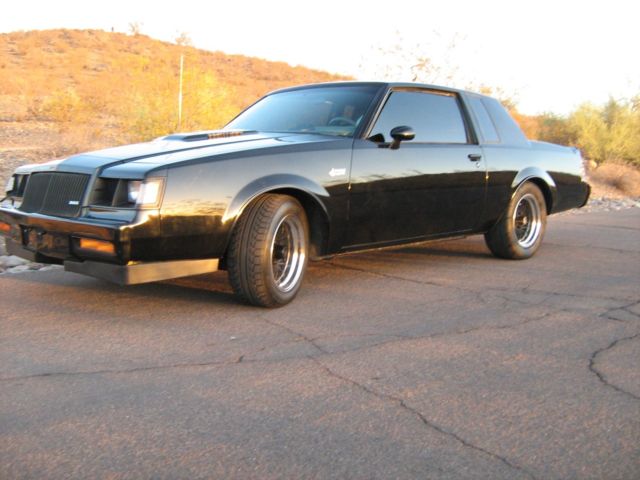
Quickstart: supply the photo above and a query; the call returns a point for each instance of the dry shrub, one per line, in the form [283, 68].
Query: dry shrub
[65, 106]
[618, 176]
[150, 107]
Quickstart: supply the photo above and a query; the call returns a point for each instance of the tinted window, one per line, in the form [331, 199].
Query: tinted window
[328, 111]
[434, 117]
[510, 132]
[487, 128]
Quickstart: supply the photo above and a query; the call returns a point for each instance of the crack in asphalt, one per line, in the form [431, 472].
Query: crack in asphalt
[528, 290]
[301, 336]
[595, 247]
[623, 308]
[242, 359]
[397, 277]
[601, 376]
[395, 338]
[621, 227]
[411, 338]
[525, 290]
[360, 335]
[385, 397]
[401, 402]
[125, 370]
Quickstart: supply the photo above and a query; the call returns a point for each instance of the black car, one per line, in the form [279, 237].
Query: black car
[304, 173]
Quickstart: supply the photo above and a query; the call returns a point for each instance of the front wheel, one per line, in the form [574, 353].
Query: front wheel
[518, 234]
[267, 254]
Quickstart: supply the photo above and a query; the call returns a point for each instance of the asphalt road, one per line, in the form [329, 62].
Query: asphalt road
[427, 362]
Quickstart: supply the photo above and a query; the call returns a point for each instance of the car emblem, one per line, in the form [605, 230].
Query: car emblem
[335, 172]
[74, 202]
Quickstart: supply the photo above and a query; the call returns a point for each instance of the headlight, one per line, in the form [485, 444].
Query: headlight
[11, 184]
[144, 193]
[133, 190]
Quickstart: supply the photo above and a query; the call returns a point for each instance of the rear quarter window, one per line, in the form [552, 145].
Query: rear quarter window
[508, 129]
[487, 128]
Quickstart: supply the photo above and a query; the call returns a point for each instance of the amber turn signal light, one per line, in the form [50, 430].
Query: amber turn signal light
[101, 246]
[5, 227]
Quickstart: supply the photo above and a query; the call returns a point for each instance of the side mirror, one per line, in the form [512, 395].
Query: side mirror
[401, 134]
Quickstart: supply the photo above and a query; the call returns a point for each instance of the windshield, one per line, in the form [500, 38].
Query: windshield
[325, 110]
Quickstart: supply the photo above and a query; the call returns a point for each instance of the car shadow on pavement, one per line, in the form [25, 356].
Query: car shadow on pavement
[472, 247]
[444, 252]
[210, 288]
[215, 288]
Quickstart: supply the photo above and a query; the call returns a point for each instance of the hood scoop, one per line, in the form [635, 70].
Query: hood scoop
[200, 136]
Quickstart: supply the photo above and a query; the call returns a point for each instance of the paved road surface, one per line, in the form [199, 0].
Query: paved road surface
[427, 362]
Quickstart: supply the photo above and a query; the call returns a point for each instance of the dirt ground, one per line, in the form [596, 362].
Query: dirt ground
[38, 142]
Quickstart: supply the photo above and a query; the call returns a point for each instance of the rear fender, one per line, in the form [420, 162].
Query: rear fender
[542, 179]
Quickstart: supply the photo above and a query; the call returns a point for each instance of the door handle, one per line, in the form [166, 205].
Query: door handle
[474, 157]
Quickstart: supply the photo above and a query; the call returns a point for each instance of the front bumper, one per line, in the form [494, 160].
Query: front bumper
[45, 239]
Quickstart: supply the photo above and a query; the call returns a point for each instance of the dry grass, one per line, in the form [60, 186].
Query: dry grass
[92, 84]
[615, 180]
[69, 91]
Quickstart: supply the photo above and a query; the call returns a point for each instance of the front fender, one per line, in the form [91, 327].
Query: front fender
[270, 183]
[308, 192]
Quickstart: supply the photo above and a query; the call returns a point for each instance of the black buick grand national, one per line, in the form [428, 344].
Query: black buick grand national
[304, 173]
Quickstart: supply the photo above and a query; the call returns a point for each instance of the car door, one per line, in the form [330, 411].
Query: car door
[433, 185]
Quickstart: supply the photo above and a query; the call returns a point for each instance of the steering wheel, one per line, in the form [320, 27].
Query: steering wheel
[341, 122]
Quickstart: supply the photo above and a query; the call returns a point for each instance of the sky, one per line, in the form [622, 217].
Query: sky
[550, 56]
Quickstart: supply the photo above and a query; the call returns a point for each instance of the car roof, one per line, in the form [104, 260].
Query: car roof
[378, 84]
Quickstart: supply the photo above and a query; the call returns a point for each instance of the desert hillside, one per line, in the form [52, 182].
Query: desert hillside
[64, 91]
[67, 91]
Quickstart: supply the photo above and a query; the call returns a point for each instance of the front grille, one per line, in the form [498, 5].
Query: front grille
[55, 193]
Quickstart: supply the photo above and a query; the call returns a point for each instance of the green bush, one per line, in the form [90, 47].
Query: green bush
[607, 133]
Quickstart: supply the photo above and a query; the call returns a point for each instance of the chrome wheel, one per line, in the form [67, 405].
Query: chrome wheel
[267, 255]
[527, 221]
[288, 253]
[518, 233]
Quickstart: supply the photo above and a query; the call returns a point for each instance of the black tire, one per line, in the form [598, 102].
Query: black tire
[268, 251]
[519, 232]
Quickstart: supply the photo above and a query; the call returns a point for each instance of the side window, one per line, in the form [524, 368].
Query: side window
[487, 128]
[435, 117]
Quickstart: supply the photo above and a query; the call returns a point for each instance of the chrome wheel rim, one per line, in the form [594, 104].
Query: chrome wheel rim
[287, 254]
[527, 221]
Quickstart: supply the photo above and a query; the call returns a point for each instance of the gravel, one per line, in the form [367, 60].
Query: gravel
[13, 264]
[605, 204]
[10, 264]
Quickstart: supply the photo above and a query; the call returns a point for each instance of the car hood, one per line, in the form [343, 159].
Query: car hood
[138, 159]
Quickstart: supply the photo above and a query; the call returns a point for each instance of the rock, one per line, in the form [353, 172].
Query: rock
[19, 269]
[10, 261]
[47, 268]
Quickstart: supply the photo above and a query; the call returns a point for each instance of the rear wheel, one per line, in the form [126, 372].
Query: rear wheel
[267, 255]
[518, 234]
